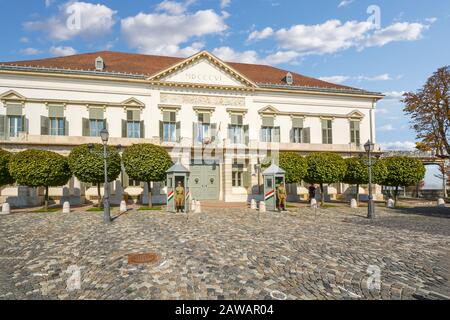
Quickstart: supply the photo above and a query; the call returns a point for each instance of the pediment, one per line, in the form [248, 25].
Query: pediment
[133, 102]
[268, 110]
[203, 69]
[356, 114]
[12, 95]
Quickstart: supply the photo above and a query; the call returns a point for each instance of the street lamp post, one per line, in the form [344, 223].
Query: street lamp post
[104, 134]
[369, 147]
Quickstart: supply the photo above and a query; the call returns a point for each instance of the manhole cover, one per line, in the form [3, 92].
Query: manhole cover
[141, 258]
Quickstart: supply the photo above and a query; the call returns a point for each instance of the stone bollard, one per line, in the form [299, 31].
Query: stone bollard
[193, 205]
[313, 204]
[6, 208]
[353, 204]
[262, 206]
[123, 206]
[441, 203]
[253, 205]
[66, 207]
[390, 204]
[198, 207]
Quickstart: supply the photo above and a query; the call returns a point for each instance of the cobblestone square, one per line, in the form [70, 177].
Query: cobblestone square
[335, 253]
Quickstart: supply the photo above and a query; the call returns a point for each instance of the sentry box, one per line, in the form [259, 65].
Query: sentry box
[273, 177]
[177, 173]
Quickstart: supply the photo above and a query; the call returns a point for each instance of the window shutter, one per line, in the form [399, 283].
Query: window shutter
[24, 124]
[105, 124]
[195, 132]
[56, 112]
[44, 126]
[178, 131]
[66, 127]
[248, 177]
[14, 110]
[166, 116]
[213, 131]
[3, 127]
[86, 128]
[291, 136]
[161, 130]
[142, 128]
[246, 134]
[124, 128]
[234, 119]
[134, 115]
[306, 135]
[206, 118]
[96, 113]
[276, 134]
[268, 121]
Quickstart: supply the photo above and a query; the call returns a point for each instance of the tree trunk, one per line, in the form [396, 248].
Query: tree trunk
[46, 198]
[357, 193]
[322, 195]
[149, 195]
[396, 195]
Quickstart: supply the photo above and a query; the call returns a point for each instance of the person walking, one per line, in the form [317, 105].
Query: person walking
[179, 197]
[281, 193]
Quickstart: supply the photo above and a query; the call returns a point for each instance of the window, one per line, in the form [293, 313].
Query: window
[133, 129]
[236, 129]
[203, 127]
[169, 130]
[237, 175]
[269, 133]
[355, 133]
[327, 132]
[96, 126]
[15, 125]
[57, 126]
[297, 130]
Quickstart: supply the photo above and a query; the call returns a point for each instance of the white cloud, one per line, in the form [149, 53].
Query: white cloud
[335, 79]
[48, 3]
[400, 31]
[76, 19]
[431, 20]
[394, 95]
[251, 56]
[164, 33]
[381, 77]
[174, 7]
[333, 36]
[382, 111]
[224, 3]
[398, 146]
[24, 40]
[30, 51]
[345, 3]
[62, 51]
[386, 127]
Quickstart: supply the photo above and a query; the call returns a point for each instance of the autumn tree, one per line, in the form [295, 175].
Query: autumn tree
[429, 108]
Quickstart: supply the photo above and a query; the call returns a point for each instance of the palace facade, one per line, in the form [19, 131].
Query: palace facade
[220, 119]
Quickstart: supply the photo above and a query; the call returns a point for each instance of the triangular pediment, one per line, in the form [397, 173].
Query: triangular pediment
[203, 69]
[133, 102]
[12, 95]
[356, 114]
[269, 110]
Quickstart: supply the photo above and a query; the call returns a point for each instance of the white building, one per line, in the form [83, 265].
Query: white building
[238, 113]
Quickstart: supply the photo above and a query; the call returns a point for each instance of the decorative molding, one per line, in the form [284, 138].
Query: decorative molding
[174, 98]
[169, 107]
[237, 110]
[356, 114]
[269, 110]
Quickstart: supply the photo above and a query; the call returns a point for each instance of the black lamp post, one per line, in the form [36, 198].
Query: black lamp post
[104, 134]
[369, 147]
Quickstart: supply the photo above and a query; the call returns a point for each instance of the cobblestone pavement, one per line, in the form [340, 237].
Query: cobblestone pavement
[227, 254]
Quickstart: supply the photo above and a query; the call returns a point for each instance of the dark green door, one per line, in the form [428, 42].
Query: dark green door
[204, 182]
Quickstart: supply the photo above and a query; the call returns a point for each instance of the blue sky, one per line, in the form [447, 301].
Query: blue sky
[330, 39]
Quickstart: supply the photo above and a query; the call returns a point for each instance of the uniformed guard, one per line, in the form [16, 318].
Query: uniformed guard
[281, 193]
[179, 197]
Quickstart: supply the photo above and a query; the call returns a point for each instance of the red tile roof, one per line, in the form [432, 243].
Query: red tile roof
[148, 65]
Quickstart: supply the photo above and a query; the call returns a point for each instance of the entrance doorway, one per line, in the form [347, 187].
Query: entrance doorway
[204, 181]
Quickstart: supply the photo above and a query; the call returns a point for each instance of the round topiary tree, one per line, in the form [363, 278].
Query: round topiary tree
[87, 164]
[147, 163]
[325, 168]
[357, 172]
[5, 176]
[294, 165]
[402, 171]
[40, 168]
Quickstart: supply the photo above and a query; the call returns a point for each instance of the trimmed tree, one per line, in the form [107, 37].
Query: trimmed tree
[87, 164]
[325, 168]
[402, 171]
[40, 168]
[5, 176]
[294, 165]
[147, 163]
[357, 172]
